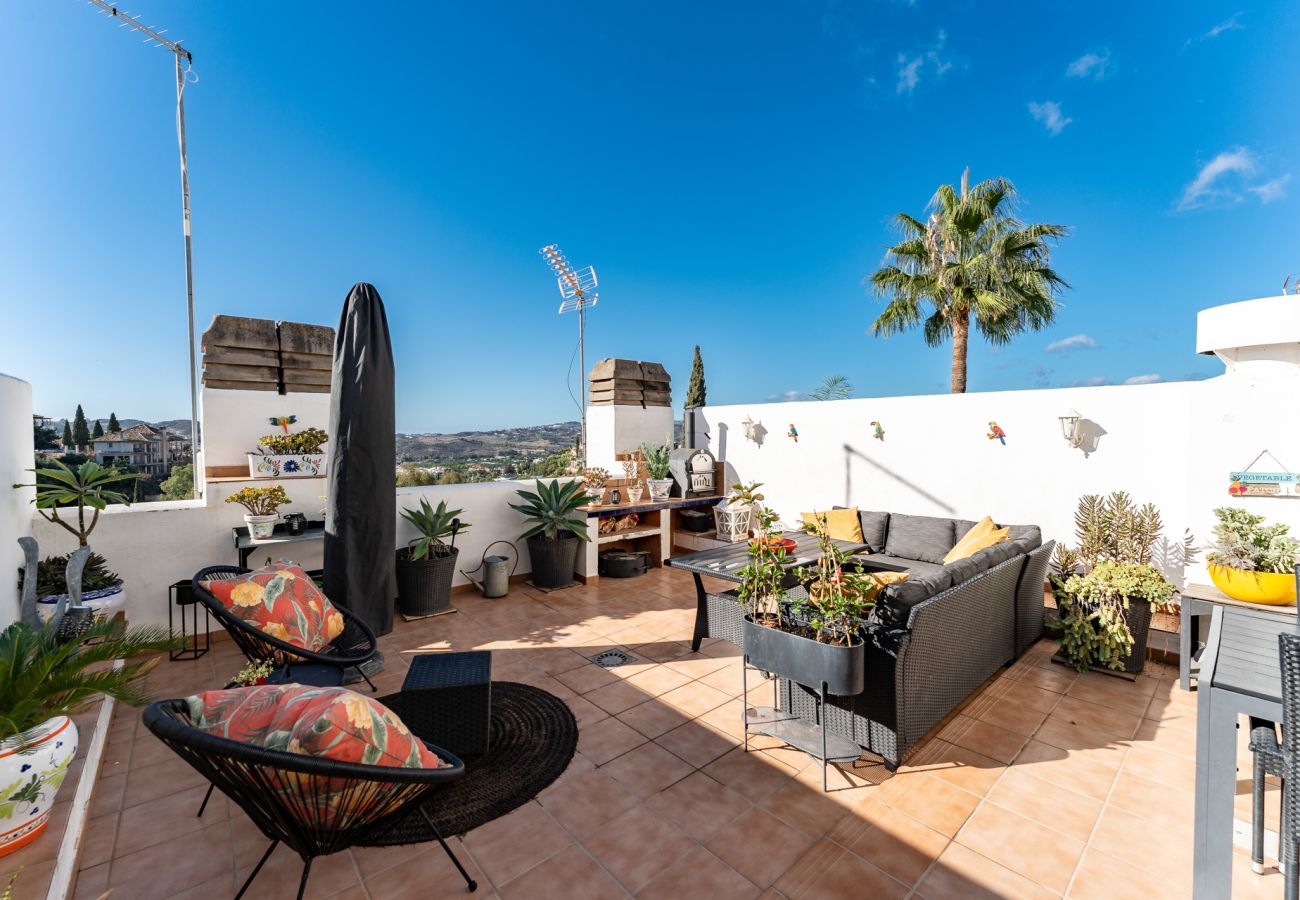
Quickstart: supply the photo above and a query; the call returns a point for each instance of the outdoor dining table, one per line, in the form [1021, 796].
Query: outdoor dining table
[1240, 676]
[727, 562]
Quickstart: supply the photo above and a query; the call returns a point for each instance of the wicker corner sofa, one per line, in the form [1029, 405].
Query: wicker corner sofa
[933, 639]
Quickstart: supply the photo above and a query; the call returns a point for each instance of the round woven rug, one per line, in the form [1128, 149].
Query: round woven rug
[534, 736]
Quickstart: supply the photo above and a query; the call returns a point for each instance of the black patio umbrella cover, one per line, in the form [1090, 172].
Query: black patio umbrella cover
[361, 516]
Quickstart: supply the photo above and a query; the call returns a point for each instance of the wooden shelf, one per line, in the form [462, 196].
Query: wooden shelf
[628, 535]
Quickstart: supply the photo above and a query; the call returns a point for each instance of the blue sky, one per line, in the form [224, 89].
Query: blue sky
[730, 169]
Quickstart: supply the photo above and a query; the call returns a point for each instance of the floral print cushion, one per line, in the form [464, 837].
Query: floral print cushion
[330, 722]
[282, 601]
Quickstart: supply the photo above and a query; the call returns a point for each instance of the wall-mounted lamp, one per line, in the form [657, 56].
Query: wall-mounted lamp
[1070, 428]
[751, 429]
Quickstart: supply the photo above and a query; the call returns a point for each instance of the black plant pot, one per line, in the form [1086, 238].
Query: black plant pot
[805, 660]
[424, 585]
[553, 561]
[1138, 619]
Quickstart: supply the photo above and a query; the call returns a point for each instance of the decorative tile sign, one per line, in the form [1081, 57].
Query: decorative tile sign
[1263, 484]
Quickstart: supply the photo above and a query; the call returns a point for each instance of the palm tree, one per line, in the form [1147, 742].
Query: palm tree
[836, 387]
[970, 259]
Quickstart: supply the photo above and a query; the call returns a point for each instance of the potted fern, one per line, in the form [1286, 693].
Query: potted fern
[656, 467]
[554, 530]
[1251, 561]
[1107, 588]
[45, 679]
[290, 455]
[426, 565]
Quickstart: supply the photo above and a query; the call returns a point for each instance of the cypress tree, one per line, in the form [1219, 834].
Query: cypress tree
[113, 426]
[97, 432]
[67, 434]
[696, 391]
[80, 430]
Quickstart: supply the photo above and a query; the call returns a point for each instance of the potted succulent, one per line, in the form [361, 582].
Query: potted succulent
[59, 489]
[290, 455]
[554, 530]
[656, 467]
[810, 639]
[1251, 561]
[45, 679]
[261, 503]
[732, 517]
[631, 471]
[1105, 610]
[595, 479]
[425, 566]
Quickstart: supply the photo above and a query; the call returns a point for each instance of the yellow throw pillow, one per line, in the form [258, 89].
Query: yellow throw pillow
[883, 579]
[843, 524]
[982, 536]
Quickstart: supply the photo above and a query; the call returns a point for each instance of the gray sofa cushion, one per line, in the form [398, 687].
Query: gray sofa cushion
[880, 562]
[875, 526]
[1029, 535]
[926, 538]
[896, 599]
[983, 560]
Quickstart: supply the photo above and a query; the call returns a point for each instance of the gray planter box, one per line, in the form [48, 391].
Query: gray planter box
[804, 660]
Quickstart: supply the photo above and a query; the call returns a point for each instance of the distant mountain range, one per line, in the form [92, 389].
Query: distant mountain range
[527, 443]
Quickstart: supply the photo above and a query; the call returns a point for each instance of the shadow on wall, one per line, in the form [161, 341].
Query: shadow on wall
[1090, 435]
[1173, 558]
[851, 452]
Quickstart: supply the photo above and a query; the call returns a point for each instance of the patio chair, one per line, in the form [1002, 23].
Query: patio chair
[1289, 657]
[356, 645]
[280, 792]
[1267, 753]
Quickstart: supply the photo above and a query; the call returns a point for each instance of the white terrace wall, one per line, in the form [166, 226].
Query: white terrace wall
[157, 544]
[1170, 444]
[16, 454]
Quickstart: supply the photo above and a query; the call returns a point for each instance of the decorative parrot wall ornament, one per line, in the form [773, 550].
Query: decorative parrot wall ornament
[793, 433]
[996, 433]
[879, 432]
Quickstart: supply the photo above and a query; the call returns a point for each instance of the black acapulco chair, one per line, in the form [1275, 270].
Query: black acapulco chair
[278, 790]
[356, 645]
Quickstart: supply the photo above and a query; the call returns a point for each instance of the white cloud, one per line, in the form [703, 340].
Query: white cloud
[930, 60]
[1094, 381]
[1050, 115]
[786, 397]
[1224, 178]
[1074, 342]
[1143, 379]
[909, 73]
[1228, 24]
[1090, 65]
[1271, 190]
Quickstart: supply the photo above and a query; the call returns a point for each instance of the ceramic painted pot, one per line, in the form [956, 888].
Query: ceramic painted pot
[293, 465]
[659, 488]
[107, 602]
[29, 781]
[261, 528]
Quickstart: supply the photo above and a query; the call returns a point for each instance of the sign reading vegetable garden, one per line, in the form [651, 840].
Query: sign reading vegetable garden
[1263, 484]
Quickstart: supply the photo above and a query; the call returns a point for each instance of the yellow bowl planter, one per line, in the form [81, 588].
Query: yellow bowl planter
[1271, 588]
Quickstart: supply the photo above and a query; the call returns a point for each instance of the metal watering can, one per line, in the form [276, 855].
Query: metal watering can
[496, 578]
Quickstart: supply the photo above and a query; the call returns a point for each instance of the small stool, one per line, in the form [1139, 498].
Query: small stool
[448, 697]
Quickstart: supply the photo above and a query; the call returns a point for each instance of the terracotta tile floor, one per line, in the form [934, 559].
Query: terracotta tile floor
[1046, 783]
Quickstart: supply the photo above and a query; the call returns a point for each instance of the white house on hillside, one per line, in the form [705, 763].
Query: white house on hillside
[151, 451]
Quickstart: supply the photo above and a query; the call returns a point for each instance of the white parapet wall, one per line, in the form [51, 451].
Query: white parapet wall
[16, 457]
[612, 430]
[239, 418]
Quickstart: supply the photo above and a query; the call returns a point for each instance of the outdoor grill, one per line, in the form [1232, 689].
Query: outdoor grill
[694, 472]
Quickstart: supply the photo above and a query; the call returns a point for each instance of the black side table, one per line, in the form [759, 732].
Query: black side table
[447, 699]
[181, 596]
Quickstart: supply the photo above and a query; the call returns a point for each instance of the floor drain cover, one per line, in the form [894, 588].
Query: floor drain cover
[612, 659]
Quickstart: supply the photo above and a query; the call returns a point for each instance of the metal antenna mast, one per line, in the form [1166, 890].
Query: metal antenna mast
[578, 290]
[183, 76]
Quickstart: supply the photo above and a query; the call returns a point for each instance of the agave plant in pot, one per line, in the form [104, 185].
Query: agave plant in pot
[59, 490]
[426, 565]
[1251, 561]
[1105, 610]
[807, 634]
[555, 528]
[44, 681]
[656, 467]
[261, 503]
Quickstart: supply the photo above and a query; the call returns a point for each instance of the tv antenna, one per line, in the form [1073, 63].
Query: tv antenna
[578, 293]
[154, 36]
